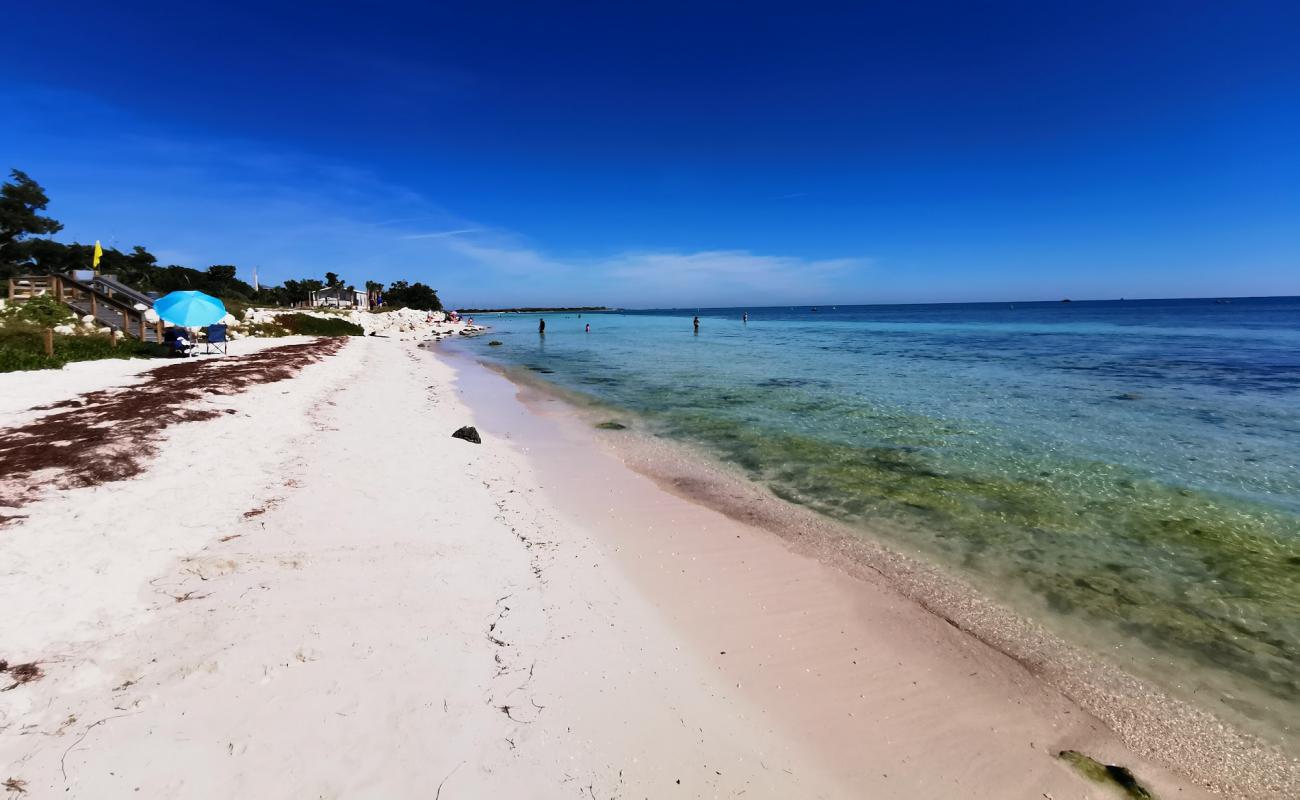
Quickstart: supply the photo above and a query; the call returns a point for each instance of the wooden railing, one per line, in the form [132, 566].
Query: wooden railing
[25, 287]
[85, 299]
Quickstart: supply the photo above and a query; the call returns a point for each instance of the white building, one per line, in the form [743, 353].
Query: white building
[340, 297]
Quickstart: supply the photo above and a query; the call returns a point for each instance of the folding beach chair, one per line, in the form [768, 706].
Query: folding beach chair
[216, 339]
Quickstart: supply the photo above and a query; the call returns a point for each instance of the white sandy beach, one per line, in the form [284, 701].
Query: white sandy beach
[319, 593]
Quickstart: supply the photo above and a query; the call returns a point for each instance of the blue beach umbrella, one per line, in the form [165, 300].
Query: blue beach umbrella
[190, 309]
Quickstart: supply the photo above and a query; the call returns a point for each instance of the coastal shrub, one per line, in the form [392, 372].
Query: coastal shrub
[22, 347]
[307, 325]
[267, 330]
[43, 311]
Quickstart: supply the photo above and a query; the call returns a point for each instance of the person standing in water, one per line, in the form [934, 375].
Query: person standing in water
[745, 317]
[697, 325]
[541, 327]
[588, 327]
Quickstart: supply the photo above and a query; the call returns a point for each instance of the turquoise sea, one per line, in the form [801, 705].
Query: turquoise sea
[1127, 472]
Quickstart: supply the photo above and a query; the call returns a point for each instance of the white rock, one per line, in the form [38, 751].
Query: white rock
[151, 316]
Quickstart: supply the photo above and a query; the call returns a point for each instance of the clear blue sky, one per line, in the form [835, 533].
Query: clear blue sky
[672, 154]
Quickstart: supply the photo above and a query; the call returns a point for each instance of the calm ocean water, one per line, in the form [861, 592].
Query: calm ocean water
[1129, 472]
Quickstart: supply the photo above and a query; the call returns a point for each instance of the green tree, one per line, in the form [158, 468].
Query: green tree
[45, 256]
[222, 273]
[412, 295]
[298, 291]
[20, 200]
[332, 279]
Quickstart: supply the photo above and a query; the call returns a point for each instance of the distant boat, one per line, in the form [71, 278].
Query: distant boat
[814, 308]
[1223, 302]
[1066, 300]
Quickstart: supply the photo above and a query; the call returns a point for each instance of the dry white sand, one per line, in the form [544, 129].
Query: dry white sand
[324, 595]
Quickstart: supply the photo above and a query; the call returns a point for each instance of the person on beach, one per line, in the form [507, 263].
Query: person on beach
[745, 317]
[697, 326]
[177, 341]
[588, 327]
[541, 327]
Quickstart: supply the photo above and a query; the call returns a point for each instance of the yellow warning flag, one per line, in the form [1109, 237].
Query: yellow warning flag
[99, 253]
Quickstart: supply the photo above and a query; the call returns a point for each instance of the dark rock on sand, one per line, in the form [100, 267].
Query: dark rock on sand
[469, 433]
[611, 426]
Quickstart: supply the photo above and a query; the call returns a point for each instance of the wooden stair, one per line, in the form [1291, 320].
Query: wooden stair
[111, 303]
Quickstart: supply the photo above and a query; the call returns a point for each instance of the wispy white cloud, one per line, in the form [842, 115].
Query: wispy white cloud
[200, 200]
[442, 234]
[516, 273]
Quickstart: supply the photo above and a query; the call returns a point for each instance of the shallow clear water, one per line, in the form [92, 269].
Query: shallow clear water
[1130, 470]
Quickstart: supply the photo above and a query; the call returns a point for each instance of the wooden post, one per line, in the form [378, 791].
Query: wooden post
[92, 305]
[12, 288]
[49, 343]
[142, 327]
[158, 331]
[112, 336]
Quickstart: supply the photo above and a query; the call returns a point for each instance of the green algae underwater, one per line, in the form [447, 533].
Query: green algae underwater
[1125, 474]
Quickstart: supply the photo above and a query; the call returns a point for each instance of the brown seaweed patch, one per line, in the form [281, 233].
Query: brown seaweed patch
[1117, 776]
[21, 673]
[108, 435]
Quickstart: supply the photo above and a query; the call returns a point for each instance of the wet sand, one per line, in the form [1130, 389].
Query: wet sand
[1023, 664]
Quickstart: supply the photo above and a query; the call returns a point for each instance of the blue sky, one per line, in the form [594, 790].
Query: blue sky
[675, 154]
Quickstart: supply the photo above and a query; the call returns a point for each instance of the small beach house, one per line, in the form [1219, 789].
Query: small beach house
[340, 297]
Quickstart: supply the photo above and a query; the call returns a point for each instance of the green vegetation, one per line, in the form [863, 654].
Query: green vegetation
[22, 199]
[45, 312]
[22, 347]
[306, 325]
[1107, 774]
[22, 339]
